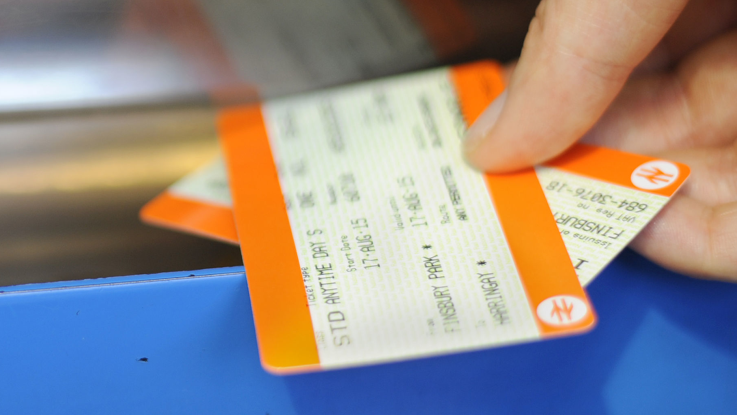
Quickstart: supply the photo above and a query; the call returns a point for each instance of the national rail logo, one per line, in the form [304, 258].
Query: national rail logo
[562, 310]
[655, 175]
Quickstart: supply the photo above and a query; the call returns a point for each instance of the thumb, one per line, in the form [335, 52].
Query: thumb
[576, 58]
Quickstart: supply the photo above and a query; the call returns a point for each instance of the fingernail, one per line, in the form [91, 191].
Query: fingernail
[484, 123]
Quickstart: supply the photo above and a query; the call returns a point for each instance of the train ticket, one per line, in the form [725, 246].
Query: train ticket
[367, 239]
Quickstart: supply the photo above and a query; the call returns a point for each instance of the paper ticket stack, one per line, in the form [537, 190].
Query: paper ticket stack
[367, 239]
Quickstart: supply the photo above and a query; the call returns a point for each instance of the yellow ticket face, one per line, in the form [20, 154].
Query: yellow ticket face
[388, 246]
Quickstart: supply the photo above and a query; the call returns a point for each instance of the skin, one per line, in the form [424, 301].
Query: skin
[656, 77]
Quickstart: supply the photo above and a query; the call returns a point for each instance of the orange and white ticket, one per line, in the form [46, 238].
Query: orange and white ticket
[400, 250]
[200, 204]
[601, 199]
[366, 238]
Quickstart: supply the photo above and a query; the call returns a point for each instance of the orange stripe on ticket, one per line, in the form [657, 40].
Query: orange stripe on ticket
[558, 301]
[282, 317]
[204, 219]
[643, 173]
[538, 250]
[477, 84]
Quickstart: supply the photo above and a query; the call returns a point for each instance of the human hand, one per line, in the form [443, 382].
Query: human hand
[633, 75]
